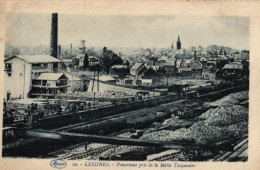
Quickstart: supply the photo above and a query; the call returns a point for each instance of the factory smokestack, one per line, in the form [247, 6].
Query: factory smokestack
[54, 35]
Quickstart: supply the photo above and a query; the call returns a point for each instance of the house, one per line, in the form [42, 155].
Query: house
[170, 68]
[211, 63]
[137, 69]
[21, 69]
[93, 61]
[119, 71]
[147, 82]
[153, 76]
[196, 67]
[160, 62]
[79, 61]
[185, 72]
[178, 63]
[49, 84]
[131, 81]
[77, 84]
[233, 71]
[67, 62]
[210, 73]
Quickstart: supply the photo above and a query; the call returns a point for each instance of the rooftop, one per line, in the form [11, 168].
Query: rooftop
[119, 66]
[233, 66]
[168, 63]
[51, 76]
[71, 77]
[36, 58]
[136, 66]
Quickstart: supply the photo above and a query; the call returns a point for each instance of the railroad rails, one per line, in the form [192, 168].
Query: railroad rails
[68, 149]
[164, 157]
[91, 152]
[80, 124]
[239, 153]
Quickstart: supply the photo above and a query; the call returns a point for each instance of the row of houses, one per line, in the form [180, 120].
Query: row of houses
[195, 68]
[81, 61]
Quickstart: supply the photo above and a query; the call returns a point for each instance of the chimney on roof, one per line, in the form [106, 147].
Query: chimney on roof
[54, 35]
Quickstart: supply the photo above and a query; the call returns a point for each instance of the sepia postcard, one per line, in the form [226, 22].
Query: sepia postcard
[130, 84]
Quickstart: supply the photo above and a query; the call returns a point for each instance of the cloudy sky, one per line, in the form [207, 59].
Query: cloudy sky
[129, 31]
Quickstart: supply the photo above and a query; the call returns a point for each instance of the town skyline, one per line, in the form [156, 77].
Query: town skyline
[120, 31]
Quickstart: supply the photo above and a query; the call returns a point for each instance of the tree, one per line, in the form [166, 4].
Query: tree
[86, 62]
[109, 59]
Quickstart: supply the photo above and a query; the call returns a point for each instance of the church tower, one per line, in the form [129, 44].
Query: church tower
[178, 43]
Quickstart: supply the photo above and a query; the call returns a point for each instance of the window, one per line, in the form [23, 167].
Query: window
[8, 67]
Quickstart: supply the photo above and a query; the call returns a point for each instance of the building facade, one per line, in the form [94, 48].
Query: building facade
[21, 69]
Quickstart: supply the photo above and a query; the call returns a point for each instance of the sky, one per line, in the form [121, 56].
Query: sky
[129, 31]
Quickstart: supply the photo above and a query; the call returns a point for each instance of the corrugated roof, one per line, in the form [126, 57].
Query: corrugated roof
[37, 58]
[50, 76]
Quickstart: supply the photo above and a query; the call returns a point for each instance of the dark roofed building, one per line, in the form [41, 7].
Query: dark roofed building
[233, 70]
[119, 71]
[170, 68]
[152, 75]
[196, 67]
[138, 69]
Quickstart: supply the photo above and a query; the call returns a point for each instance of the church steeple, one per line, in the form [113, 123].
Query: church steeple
[178, 43]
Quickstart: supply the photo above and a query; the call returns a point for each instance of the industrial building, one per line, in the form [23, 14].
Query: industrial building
[20, 70]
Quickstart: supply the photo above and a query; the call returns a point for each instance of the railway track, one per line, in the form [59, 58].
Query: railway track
[68, 149]
[91, 152]
[111, 117]
[237, 155]
[164, 157]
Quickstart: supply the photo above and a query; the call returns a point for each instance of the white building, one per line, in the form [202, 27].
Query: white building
[93, 61]
[48, 84]
[20, 70]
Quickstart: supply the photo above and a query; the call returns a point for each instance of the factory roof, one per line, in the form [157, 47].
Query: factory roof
[51, 76]
[36, 58]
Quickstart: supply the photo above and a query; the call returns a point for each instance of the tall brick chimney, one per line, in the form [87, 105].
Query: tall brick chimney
[54, 35]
